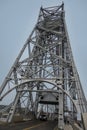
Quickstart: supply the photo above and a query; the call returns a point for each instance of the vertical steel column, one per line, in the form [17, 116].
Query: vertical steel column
[61, 98]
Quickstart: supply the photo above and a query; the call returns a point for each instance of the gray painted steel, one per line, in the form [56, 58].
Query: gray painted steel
[45, 73]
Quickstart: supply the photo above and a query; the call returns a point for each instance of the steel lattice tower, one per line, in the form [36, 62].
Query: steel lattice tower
[44, 71]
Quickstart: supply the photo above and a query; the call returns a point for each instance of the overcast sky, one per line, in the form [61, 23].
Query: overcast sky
[17, 19]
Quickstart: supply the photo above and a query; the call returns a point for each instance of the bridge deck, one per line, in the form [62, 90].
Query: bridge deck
[30, 125]
[68, 127]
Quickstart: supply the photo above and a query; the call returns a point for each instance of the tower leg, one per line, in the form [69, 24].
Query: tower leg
[60, 114]
[13, 107]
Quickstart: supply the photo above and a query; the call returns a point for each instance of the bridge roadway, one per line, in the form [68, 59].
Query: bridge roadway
[30, 125]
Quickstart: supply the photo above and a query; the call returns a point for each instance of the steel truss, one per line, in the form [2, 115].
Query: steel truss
[45, 64]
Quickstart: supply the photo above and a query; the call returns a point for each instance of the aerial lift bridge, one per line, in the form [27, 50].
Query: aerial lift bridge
[44, 73]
